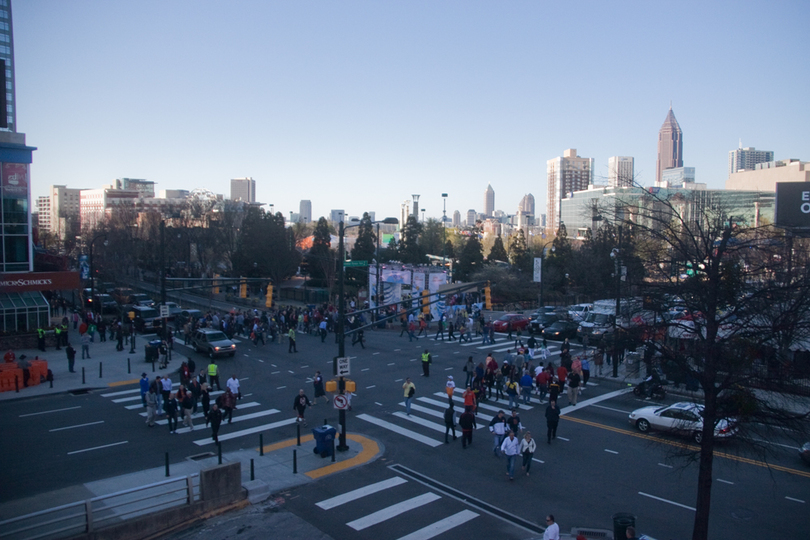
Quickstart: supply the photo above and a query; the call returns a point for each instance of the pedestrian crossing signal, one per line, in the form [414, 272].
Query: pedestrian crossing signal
[243, 289]
[487, 297]
[268, 302]
[425, 302]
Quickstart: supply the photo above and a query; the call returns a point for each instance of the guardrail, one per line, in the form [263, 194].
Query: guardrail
[87, 516]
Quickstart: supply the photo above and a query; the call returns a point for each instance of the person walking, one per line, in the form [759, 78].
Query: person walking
[426, 361]
[323, 330]
[317, 384]
[195, 390]
[213, 375]
[552, 531]
[233, 385]
[450, 388]
[449, 422]
[527, 448]
[85, 340]
[513, 423]
[586, 371]
[228, 402]
[497, 427]
[151, 407]
[552, 419]
[291, 338]
[171, 406]
[467, 423]
[512, 393]
[440, 330]
[526, 387]
[205, 401]
[409, 389]
[510, 448]
[573, 387]
[300, 404]
[469, 369]
[215, 417]
[144, 383]
[165, 389]
[187, 404]
[71, 357]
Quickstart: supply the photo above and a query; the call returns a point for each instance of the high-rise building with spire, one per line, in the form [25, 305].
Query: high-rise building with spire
[489, 201]
[670, 146]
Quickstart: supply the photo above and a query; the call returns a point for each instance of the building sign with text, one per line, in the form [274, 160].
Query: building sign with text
[793, 205]
[38, 281]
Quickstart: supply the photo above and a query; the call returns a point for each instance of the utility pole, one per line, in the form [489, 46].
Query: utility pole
[616, 326]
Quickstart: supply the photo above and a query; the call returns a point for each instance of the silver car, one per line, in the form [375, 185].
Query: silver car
[682, 418]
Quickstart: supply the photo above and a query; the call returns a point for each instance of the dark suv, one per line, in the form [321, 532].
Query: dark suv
[212, 342]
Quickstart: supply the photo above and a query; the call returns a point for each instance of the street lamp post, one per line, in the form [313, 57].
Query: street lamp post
[342, 315]
[92, 273]
[616, 256]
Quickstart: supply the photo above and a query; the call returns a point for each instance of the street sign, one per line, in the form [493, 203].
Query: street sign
[538, 270]
[351, 264]
[341, 402]
[342, 368]
[164, 311]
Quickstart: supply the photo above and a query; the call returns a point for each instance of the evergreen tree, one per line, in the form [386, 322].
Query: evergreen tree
[519, 256]
[265, 247]
[449, 250]
[410, 252]
[431, 237]
[470, 260]
[391, 253]
[321, 259]
[498, 252]
[363, 250]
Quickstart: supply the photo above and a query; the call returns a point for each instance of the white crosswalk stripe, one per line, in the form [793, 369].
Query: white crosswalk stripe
[456, 399]
[441, 526]
[421, 421]
[257, 429]
[402, 431]
[242, 418]
[392, 511]
[248, 405]
[359, 493]
[504, 407]
[489, 407]
[140, 405]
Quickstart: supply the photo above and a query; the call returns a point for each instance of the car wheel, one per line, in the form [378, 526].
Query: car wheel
[698, 437]
[643, 425]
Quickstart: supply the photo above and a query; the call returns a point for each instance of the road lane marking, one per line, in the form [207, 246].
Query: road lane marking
[611, 409]
[49, 412]
[392, 364]
[563, 439]
[402, 431]
[794, 500]
[374, 354]
[666, 501]
[397, 350]
[77, 425]
[274, 372]
[378, 403]
[448, 368]
[96, 448]
[413, 359]
[441, 526]
[241, 418]
[665, 465]
[398, 380]
[392, 511]
[372, 386]
[290, 371]
[364, 491]
[538, 460]
[773, 443]
[280, 387]
[302, 367]
[421, 421]
[365, 369]
[277, 366]
[686, 446]
[725, 481]
[593, 400]
[611, 451]
[260, 360]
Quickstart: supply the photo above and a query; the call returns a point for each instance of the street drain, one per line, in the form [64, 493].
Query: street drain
[198, 457]
[79, 392]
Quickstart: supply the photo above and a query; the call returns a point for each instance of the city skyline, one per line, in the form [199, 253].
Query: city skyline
[337, 104]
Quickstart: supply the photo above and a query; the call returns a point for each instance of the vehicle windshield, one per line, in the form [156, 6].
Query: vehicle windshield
[597, 318]
[505, 317]
[217, 336]
[148, 313]
[578, 308]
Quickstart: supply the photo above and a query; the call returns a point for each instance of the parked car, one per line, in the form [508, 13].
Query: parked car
[212, 342]
[577, 312]
[683, 418]
[144, 317]
[188, 314]
[122, 294]
[560, 330]
[541, 320]
[139, 299]
[501, 324]
[108, 305]
[804, 452]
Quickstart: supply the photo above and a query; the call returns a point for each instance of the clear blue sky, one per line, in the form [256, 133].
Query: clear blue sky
[357, 105]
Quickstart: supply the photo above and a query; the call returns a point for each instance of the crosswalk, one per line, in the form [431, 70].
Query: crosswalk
[395, 497]
[428, 414]
[246, 413]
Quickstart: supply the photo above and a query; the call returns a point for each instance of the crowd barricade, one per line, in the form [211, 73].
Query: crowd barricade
[11, 375]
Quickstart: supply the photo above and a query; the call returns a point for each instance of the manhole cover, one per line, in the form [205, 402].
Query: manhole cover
[204, 455]
[743, 514]
[79, 392]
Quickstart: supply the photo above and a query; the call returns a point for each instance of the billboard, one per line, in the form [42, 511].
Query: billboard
[793, 205]
[15, 180]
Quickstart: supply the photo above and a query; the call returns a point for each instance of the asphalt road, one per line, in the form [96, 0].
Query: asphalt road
[598, 465]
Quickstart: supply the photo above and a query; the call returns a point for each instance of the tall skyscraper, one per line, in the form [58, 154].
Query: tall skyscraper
[456, 219]
[243, 189]
[336, 216]
[305, 212]
[9, 99]
[471, 217]
[489, 201]
[670, 146]
[527, 204]
[747, 159]
[620, 171]
[566, 175]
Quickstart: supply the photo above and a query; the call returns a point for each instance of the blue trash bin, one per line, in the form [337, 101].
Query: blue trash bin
[324, 435]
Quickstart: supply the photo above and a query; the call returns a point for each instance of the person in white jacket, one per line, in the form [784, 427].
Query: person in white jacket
[527, 449]
[511, 448]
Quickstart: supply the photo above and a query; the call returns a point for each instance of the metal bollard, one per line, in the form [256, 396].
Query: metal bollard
[129, 366]
[17, 389]
[252, 471]
[298, 430]
[325, 422]
[219, 453]
[51, 381]
[83, 375]
[333, 450]
[261, 444]
[167, 464]
[153, 366]
[295, 461]
[99, 370]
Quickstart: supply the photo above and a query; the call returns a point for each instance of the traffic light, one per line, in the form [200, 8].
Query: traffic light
[487, 297]
[215, 288]
[268, 302]
[425, 302]
[243, 289]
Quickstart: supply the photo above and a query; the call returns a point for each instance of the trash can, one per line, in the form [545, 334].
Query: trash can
[324, 435]
[151, 350]
[621, 521]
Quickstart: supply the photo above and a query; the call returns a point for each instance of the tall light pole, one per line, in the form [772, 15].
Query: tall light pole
[615, 254]
[92, 272]
[342, 314]
[444, 226]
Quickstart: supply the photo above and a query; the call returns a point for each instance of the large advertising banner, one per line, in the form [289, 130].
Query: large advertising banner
[15, 180]
[418, 282]
[436, 281]
[793, 205]
[396, 276]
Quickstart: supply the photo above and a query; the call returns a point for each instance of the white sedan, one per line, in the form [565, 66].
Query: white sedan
[682, 418]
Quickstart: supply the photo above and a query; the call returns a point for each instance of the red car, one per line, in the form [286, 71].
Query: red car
[518, 321]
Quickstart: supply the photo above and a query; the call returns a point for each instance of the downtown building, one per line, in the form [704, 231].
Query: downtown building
[305, 212]
[670, 146]
[747, 159]
[566, 175]
[621, 171]
[243, 189]
[489, 201]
